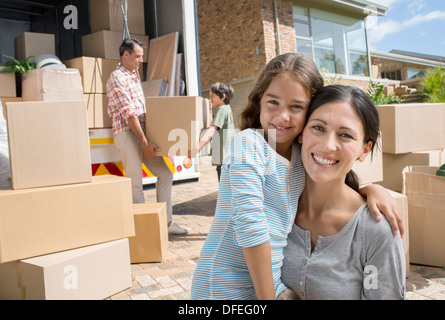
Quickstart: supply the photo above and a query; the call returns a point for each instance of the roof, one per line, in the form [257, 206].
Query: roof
[419, 55]
[369, 7]
[410, 57]
[362, 8]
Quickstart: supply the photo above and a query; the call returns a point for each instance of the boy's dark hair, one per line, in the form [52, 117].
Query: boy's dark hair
[128, 45]
[221, 89]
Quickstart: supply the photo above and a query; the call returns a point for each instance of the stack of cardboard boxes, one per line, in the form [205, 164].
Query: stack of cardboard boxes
[413, 150]
[100, 52]
[63, 233]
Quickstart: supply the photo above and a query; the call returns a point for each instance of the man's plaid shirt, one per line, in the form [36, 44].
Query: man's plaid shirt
[125, 99]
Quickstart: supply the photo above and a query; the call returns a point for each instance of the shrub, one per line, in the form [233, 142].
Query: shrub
[375, 91]
[433, 85]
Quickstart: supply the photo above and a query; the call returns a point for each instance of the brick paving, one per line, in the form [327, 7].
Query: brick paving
[193, 206]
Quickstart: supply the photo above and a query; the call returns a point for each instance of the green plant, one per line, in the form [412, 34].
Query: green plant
[377, 95]
[433, 85]
[16, 66]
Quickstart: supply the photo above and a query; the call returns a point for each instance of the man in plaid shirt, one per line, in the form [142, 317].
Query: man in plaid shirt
[126, 108]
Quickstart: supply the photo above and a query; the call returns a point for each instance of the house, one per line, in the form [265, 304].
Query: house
[407, 67]
[238, 37]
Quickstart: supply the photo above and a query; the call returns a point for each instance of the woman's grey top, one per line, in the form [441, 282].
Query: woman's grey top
[362, 261]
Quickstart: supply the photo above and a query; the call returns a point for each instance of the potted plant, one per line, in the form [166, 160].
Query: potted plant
[18, 68]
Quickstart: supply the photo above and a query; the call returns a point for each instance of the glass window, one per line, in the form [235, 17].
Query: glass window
[415, 73]
[392, 75]
[301, 22]
[357, 49]
[304, 47]
[338, 43]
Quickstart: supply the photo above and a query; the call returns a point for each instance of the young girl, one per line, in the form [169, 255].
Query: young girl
[261, 181]
[336, 249]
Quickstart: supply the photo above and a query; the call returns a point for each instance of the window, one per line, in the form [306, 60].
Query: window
[302, 31]
[335, 42]
[415, 73]
[392, 75]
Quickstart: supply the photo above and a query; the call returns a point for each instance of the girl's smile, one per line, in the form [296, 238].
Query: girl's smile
[284, 106]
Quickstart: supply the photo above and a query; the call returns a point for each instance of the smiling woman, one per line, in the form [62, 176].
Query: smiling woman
[335, 241]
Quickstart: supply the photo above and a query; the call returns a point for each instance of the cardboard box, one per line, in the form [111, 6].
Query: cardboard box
[105, 44]
[97, 105]
[94, 72]
[3, 101]
[48, 143]
[162, 60]
[174, 124]
[412, 127]
[89, 273]
[393, 165]
[52, 85]
[155, 88]
[151, 241]
[7, 84]
[34, 44]
[370, 170]
[46, 220]
[9, 285]
[426, 206]
[107, 15]
[402, 204]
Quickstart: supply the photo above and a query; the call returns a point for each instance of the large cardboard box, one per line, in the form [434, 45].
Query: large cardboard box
[107, 15]
[48, 143]
[52, 85]
[402, 204]
[4, 100]
[89, 273]
[105, 44]
[412, 127]
[162, 60]
[97, 105]
[34, 44]
[370, 170]
[7, 84]
[393, 165]
[174, 124]
[46, 220]
[9, 286]
[151, 241]
[94, 72]
[426, 206]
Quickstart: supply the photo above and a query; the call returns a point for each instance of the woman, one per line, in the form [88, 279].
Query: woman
[336, 249]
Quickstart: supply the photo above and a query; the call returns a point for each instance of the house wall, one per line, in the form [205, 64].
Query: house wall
[230, 31]
[238, 37]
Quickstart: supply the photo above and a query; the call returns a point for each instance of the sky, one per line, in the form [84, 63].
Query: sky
[409, 25]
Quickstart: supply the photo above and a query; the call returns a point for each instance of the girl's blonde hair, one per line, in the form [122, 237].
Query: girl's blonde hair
[296, 65]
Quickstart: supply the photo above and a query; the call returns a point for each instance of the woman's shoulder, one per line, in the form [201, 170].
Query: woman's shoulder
[375, 231]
